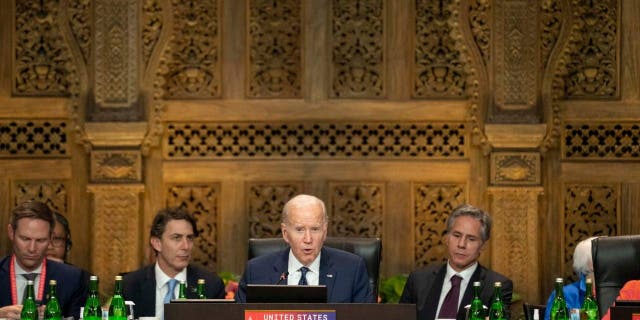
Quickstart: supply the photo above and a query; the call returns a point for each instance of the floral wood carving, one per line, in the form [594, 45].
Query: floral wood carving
[550, 25]
[593, 67]
[439, 72]
[480, 22]
[152, 24]
[311, 141]
[40, 54]
[433, 204]
[79, 12]
[194, 66]
[202, 201]
[274, 61]
[357, 209]
[590, 210]
[358, 49]
[266, 200]
[50, 192]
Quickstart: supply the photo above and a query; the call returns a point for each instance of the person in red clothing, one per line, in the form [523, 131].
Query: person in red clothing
[630, 291]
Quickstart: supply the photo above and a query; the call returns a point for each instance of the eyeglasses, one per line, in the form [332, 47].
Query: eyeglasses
[58, 241]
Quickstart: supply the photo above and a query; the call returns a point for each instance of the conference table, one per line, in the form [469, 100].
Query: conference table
[288, 311]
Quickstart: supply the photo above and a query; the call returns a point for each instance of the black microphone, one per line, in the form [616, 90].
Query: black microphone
[283, 277]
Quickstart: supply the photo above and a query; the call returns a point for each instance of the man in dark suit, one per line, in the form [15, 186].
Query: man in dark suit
[442, 291]
[172, 233]
[307, 261]
[30, 233]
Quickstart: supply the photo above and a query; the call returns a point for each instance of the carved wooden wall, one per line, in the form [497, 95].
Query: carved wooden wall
[393, 112]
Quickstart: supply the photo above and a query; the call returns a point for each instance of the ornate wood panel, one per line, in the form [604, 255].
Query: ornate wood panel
[265, 201]
[432, 205]
[356, 209]
[202, 201]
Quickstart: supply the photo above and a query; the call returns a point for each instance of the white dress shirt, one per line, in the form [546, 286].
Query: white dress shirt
[446, 286]
[162, 286]
[313, 275]
[21, 281]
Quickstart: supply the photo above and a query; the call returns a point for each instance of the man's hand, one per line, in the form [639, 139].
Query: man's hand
[11, 312]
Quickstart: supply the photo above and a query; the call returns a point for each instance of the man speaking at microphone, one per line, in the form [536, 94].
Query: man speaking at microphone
[307, 261]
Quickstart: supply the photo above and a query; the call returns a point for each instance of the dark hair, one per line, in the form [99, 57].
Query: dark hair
[32, 209]
[67, 231]
[473, 212]
[165, 215]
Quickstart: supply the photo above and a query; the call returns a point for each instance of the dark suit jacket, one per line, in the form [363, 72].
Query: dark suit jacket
[72, 289]
[344, 274]
[140, 287]
[424, 286]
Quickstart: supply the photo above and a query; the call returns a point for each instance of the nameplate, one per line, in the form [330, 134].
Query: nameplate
[289, 315]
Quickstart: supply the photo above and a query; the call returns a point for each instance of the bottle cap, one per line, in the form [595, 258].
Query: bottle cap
[476, 284]
[29, 282]
[118, 278]
[182, 282]
[52, 282]
[559, 280]
[588, 280]
[497, 284]
[93, 278]
[200, 281]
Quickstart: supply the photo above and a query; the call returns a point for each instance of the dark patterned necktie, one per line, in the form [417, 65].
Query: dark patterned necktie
[303, 277]
[449, 308]
[28, 276]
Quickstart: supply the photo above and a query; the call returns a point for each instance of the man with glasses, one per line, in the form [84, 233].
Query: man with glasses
[30, 228]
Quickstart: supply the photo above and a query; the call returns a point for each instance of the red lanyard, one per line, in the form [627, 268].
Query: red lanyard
[12, 274]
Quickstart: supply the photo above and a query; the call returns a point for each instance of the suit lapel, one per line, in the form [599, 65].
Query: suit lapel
[280, 266]
[433, 290]
[477, 275]
[5, 283]
[328, 273]
[192, 283]
[148, 291]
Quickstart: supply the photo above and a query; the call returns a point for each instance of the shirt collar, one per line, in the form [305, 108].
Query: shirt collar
[162, 278]
[19, 269]
[295, 265]
[465, 274]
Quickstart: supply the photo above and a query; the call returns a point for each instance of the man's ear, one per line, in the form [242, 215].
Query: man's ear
[156, 244]
[285, 234]
[10, 231]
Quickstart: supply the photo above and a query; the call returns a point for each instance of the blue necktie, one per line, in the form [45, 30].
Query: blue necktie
[303, 277]
[170, 294]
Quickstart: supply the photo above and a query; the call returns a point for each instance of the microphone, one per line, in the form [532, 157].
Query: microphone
[283, 277]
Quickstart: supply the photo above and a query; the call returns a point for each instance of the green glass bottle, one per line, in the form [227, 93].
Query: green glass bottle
[92, 308]
[476, 312]
[201, 292]
[182, 292]
[559, 309]
[117, 308]
[52, 310]
[29, 308]
[589, 306]
[497, 312]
